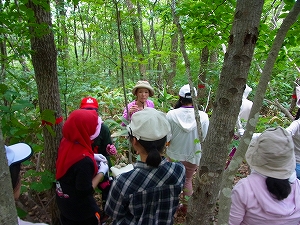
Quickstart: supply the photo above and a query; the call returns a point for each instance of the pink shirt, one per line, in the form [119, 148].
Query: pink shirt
[253, 204]
[149, 103]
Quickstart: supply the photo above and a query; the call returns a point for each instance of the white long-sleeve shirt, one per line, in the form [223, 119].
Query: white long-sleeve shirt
[183, 146]
[294, 130]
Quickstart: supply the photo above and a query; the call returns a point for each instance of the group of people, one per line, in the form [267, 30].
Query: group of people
[168, 158]
[148, 194]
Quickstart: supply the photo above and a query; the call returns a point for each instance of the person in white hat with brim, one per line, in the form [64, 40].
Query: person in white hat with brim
[16, 154]
[271, 193]
[182, 145]
[149, 193]
[142, 91]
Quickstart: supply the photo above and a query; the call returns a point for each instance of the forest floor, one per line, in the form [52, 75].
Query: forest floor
[36, 204]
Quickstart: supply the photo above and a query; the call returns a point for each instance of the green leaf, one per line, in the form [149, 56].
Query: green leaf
[48, 116]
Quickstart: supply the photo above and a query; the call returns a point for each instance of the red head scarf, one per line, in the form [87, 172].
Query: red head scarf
[76, 142]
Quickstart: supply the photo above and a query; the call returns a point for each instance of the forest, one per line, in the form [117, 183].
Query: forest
[54, 53]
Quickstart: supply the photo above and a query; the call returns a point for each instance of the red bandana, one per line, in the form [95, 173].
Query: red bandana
[76, 143]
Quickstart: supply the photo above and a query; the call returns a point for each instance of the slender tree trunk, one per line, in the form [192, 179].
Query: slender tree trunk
[75, 37]
[3, 59]
[225, 200]
[138, 39]
[204, 57]
[63, 38]
[173, 59]
[44, 58]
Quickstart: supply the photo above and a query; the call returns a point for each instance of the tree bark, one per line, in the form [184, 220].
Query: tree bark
[225, 193]
[8, 212]
[242, 40]
[138, 40]
[44, 57]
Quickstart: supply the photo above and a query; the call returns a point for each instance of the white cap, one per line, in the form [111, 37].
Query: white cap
[149, 124]
[185, 91]
[18, 153]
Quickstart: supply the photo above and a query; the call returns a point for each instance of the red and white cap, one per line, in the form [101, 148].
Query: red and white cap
[89, 102]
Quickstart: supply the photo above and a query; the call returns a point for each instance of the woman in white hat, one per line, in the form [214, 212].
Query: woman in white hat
[148, 194]
[142, 90]
[182, 146]
[271, 193]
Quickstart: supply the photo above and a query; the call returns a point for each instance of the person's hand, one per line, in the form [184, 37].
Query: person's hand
[100, 158]
[103, 168]
[134, 109]
[111, 149]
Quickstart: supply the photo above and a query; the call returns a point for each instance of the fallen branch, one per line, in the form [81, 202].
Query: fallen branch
[284, 110]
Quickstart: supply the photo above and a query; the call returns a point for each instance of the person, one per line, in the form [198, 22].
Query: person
[244, 111]
[77, 171]
[270, 194]
[142, 90]
[182, 146]
[16, 154]
[103, 145]
[241, 122]
[149, 193]
[294, 130]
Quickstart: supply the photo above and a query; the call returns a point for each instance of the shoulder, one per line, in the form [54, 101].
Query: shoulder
[150, 103]
[83, 163]
[244, 185]
[174, 167]
[294, 126]
[172, 111]
[104, 127]
[203, 115]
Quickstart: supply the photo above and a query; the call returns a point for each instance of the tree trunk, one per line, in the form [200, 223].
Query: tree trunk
[138, 39]
[8, 212]
[62, 39]
[3, 59]
[225, 194]
[173, 59]
[242, 40]
[44, 58]
[204, 56]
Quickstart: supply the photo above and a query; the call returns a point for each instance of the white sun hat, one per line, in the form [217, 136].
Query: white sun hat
[18, 153]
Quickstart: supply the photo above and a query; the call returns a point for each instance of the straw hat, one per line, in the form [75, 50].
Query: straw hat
[143, 84]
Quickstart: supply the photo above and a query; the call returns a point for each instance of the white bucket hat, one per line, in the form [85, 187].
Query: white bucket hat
[272, 154]
[149, 124]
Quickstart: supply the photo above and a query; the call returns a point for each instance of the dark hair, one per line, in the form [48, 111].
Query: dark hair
[14, 170]
[280, 188]
[154, 148]
[182, 101]
[298, 114]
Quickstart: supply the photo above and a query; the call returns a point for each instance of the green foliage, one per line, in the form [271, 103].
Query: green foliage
[89, 63]
[165, 101]
[39, 181]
